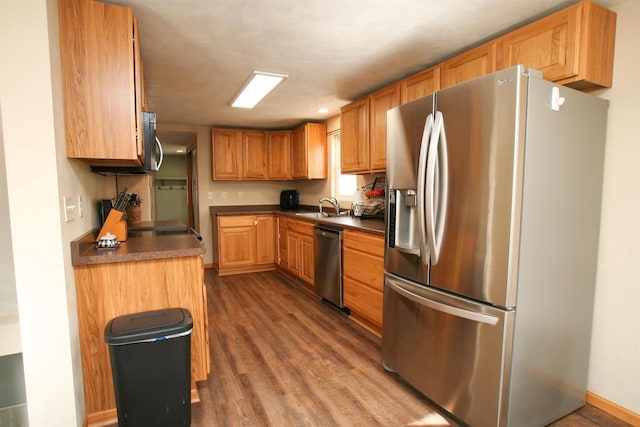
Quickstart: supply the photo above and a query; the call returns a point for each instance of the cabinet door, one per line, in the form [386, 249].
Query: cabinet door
[299, 156]
[548, 45]
[306, 271]
[265, 239]
[379, 103]
[227, 154]
[293, 251]
[236, 241]
[473, 63]
[283, 252]
[363, 275]
[354, 137]
[254, 155]
[279, 152]
[422, 84]
[95, 129]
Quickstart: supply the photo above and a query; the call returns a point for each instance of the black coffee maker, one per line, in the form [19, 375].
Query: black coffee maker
[289, 199]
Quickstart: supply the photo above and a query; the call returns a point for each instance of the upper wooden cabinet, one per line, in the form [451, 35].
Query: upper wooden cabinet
[354, 137]
[102, 82]
[279, 152]
[226, 154]
[422, 84]
[573, 46]
[363, 139]
[254, 155]
[379, 103]
[309, 151]
[239, 154]
[473, 63]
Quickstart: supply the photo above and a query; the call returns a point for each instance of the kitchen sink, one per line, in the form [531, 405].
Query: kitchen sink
[317, 214]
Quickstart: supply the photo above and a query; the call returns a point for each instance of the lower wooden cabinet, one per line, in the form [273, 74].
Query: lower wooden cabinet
[296, 245]
[246, 243]
[363, 277]
[105, 291]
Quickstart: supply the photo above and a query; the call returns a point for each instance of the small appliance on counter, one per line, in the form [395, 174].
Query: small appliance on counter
[289, 199]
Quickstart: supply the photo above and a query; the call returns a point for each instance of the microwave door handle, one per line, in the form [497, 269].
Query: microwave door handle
[437, 187]
[159, 162]
[445, 308]
[420, 190]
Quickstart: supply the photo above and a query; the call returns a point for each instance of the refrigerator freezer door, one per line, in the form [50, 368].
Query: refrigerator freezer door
[408, 130]
[454, 351]
[484, 121]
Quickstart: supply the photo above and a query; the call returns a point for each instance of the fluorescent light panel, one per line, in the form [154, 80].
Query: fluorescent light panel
[257, 87]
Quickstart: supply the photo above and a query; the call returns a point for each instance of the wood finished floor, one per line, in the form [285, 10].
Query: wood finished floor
[282, 357]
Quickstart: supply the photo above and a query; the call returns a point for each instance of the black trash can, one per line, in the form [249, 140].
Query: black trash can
[151, 365]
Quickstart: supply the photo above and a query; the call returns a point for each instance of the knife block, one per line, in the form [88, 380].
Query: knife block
[115, 225]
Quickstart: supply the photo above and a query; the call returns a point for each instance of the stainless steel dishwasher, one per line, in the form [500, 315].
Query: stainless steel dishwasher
[328, 263]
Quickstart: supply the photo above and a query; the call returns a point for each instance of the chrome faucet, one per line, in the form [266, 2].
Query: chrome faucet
[333, 201]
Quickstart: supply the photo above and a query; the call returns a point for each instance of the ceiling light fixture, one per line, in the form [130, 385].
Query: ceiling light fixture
[257, 86]
[322, 110]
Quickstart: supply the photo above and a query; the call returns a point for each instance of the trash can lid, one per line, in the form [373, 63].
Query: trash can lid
[148, 326]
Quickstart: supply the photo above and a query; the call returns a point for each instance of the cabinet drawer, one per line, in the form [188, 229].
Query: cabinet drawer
[236, 221]
[362, 299]
[364, 267]
[369, 243]
[301, 227]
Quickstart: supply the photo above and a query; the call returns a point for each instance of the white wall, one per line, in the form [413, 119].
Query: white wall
[38, 177]
[615, 347]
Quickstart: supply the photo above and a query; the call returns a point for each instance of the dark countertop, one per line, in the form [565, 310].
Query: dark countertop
[147, 244]
[374, 226]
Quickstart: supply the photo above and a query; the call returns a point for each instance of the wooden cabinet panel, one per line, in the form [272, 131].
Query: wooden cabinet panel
[236, 246]
[105, 291]
[309, 151]
[548, 45]
[101, 83]
[473, 63]
[293, 252]
[573, 46]
[254, 155]
[422, 84]
[283, 248]
[364, 267]
[363, 300]
[306, 271]
[227, 154]
[354, 137]
[363, 276]
[279, 149]
[379, 103]
[265, 240]
[246, 243]
[299, 249]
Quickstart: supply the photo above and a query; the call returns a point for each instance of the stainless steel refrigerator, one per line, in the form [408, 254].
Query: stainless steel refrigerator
[493, 214]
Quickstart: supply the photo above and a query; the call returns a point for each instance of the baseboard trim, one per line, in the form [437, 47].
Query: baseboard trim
[613, 409]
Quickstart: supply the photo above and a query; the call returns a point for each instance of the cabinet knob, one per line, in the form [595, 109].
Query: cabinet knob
[255, 222]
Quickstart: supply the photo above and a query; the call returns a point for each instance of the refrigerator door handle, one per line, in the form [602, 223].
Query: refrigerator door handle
[420, 190]
[437, 190]
[445, 308]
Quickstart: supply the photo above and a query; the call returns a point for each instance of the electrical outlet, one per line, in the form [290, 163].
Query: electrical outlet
[223, 195]
[240, 195]
[70, 209]
[210, 195]
[80, 210]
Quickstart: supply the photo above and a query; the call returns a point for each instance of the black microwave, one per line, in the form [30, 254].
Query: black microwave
[152, 150]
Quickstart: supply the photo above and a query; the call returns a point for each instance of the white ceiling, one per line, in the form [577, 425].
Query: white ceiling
[198, 53]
